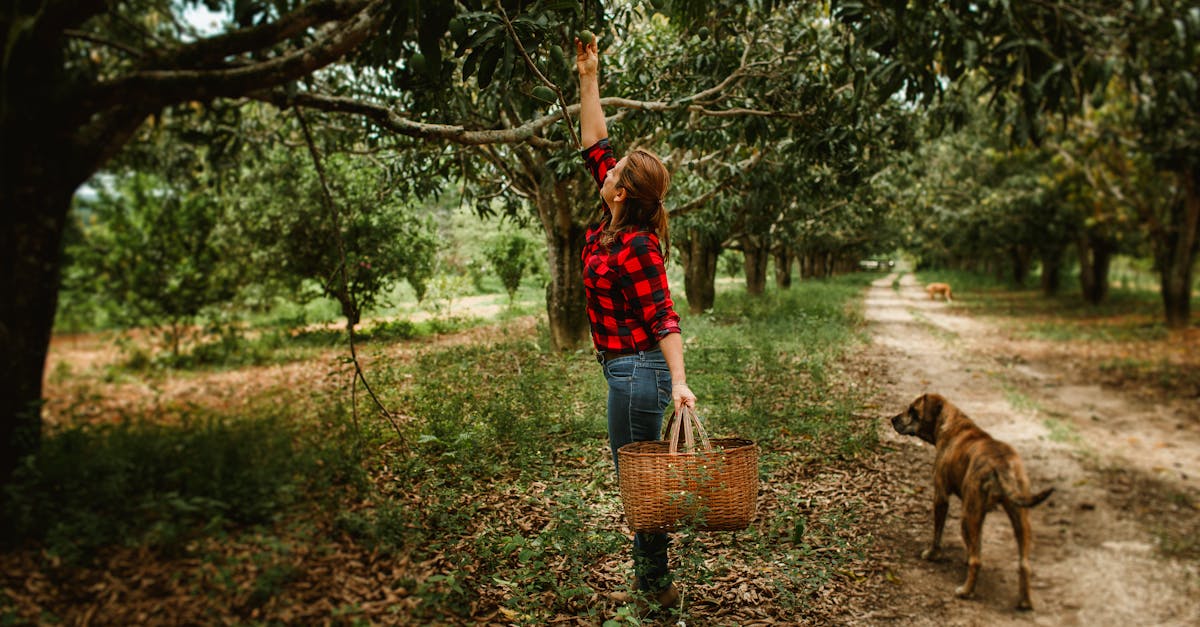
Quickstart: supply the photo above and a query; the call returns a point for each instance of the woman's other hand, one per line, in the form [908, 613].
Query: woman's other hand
[683, 394]
[587, 58]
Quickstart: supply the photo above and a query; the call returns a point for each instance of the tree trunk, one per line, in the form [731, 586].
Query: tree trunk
[783, 268]
[566, 305]
[1095, 255]
[1176, 253]
[1051, 270]
[821, 265]
[756, 255]
[35, 206]
[700, 271]
[1022, 257]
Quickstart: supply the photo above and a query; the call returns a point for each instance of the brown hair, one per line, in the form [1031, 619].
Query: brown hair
[646, 181]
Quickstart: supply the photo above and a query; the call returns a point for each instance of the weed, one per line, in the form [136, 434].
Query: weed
[1017, 399]
[1062, 432]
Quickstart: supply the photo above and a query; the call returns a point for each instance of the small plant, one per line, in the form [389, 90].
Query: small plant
[509, 255]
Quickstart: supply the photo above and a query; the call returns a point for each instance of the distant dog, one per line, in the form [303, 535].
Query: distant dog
[981, 471]
[940, 288]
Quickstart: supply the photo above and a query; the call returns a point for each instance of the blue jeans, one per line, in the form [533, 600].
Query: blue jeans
[639, 392]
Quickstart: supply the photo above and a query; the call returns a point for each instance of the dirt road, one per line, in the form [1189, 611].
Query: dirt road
[1114, 545]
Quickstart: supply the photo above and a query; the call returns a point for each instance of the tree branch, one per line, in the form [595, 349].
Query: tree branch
[525, 133]
[562, 101]
[698, 202]
[214, 49]
[96, 39]
[156, 88]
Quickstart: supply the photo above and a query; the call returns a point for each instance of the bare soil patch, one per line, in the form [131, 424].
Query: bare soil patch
[80, 386]
[1117, 542]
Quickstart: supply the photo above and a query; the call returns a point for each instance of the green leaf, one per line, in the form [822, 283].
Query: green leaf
[488, 67]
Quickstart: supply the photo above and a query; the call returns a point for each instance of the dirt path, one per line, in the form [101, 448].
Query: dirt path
[1126, 477]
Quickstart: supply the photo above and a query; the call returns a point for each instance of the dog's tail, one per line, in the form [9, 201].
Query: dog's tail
[1014, 494]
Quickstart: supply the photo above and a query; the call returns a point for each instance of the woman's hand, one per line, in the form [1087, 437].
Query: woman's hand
[587, 58]
[681, 393]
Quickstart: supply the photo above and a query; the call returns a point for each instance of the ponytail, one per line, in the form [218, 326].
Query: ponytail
[645, 180]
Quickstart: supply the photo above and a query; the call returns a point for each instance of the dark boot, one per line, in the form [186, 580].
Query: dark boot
[646, 604]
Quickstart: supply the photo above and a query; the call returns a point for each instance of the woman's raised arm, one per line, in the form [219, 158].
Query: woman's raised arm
[591, 116]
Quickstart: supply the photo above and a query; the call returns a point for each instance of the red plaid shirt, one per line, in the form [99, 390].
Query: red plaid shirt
[628, 301]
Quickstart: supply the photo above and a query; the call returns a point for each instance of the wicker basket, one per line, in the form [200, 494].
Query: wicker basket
[711, 485]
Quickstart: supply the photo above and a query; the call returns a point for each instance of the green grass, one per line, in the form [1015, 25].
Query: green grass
[145, 484]
[497, 421]
[502, 488]
[1062, 432]
[1017, 399]
[232, 347]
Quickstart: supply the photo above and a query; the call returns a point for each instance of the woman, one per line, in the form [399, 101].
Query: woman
[634, 325]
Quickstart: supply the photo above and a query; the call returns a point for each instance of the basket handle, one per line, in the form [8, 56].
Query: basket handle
[684, 429]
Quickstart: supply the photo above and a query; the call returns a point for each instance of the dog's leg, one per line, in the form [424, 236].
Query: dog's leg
[972, 530]
[1019, 516]
[940, 505]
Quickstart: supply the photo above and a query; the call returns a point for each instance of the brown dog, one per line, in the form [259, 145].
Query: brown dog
[981, 471]
[934, 289]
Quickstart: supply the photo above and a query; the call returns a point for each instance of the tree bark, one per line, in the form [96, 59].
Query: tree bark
[700, 271]
[1176, 253]
[821, 265]
[566, 305]
[1095, 255]
[755, 254]
[36, 210]
[783, 268]
[1051, 270]
[1022, 257]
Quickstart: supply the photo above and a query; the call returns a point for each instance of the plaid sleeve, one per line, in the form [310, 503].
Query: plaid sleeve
[599, 160]
[646, 288]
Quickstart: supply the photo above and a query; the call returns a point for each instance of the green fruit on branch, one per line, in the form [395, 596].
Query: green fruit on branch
[417, 63]
[556, 55]
[458, 30]
[587, 37]
[541, 92]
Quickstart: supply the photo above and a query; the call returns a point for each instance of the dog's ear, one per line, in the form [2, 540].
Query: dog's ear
[933, 405]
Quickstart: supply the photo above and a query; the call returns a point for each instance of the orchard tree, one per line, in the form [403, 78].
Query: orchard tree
[517, 77]
[1043, 60]
[369, 234]
[509, 255]
[155, 251]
